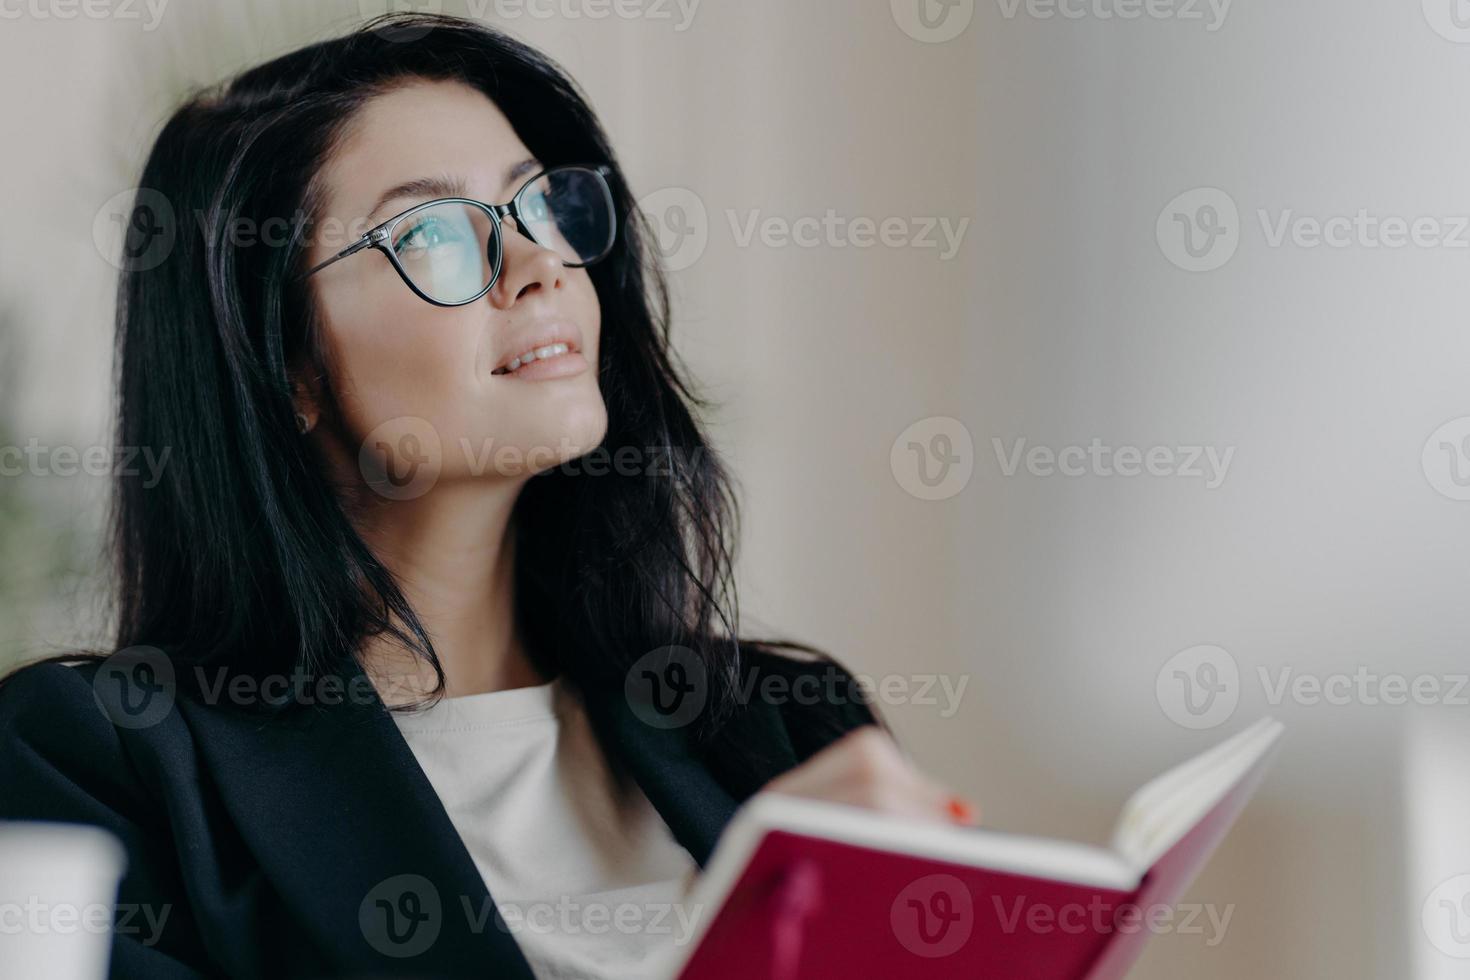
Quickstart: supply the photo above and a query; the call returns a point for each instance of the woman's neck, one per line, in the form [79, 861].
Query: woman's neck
[453, 556]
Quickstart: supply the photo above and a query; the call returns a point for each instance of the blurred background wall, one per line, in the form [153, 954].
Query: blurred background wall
[950, 271]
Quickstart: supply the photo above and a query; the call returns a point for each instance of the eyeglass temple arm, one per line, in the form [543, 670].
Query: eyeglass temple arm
[352, 249]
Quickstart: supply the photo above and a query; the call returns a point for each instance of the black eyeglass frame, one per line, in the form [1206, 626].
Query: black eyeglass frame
[380, 236]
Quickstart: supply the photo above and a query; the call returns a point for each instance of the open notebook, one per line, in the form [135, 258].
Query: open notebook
[800, 888]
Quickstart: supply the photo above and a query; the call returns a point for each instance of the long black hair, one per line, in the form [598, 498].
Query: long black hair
[243, 556]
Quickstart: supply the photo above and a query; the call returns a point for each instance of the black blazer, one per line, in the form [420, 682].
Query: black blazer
[269, 842]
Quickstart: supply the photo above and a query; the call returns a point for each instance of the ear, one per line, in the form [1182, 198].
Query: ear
[308, 394]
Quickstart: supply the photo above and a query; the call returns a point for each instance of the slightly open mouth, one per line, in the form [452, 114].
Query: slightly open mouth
[535, 354]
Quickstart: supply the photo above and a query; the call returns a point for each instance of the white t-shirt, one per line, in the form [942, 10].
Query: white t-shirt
[583, 869]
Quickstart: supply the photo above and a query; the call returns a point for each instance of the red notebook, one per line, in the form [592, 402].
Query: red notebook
[805, 889]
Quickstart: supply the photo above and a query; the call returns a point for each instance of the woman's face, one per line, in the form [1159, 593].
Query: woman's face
[418, 385]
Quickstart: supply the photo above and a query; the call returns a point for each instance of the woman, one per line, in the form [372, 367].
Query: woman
[434, 599]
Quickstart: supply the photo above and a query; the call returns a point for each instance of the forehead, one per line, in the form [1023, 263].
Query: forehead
[417, 129]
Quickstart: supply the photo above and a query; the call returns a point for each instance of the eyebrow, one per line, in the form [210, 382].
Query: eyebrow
[445, 185]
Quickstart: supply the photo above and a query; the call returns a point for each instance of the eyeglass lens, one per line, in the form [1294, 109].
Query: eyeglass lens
[451, 250]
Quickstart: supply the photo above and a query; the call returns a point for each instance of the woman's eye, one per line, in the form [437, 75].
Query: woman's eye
[537, 207]
[426, 233]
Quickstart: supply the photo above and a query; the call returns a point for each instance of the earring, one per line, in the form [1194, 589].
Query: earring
[303, 424]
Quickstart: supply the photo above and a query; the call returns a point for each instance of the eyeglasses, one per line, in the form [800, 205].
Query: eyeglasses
[449, 250]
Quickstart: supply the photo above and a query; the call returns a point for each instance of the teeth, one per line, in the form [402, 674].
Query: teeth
[540, 353]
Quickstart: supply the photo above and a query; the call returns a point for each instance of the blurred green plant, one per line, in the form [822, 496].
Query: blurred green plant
[40, 539]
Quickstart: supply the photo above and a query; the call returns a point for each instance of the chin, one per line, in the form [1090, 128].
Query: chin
[577, 431]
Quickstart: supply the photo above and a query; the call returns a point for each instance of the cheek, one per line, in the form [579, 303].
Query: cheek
[588, 311]
[399, 360]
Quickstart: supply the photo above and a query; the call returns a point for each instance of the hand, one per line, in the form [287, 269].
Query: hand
[865, 768]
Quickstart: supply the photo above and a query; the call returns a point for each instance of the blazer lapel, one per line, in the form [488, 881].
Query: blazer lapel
[683, 791]
[691, 795]
[350, 832]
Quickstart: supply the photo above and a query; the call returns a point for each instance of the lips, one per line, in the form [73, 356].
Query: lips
[547, 342]
[538, 354]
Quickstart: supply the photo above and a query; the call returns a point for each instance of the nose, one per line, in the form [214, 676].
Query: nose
[526, 268]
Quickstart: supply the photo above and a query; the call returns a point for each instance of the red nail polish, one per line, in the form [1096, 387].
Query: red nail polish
[960, 810]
